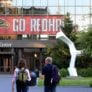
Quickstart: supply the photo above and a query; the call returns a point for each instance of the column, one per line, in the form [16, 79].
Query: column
[20, 53]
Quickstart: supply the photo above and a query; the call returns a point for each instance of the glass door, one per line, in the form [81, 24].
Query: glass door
[5, 65]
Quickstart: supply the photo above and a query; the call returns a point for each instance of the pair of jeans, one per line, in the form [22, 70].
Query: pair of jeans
[49, 88]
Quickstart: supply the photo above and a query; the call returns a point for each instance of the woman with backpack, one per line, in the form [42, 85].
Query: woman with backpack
[21, 77]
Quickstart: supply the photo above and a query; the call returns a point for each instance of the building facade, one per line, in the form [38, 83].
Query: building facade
[28, 27]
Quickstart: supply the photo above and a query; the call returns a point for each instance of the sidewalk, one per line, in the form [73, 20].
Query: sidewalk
[5, 86]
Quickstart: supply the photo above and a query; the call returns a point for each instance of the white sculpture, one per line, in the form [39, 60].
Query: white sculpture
[72, 70]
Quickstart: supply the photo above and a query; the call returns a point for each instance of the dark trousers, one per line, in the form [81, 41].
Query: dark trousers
[20, 87]
[49, 88]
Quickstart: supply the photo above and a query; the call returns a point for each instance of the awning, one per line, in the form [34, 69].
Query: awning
[6, 53]
[27, 43]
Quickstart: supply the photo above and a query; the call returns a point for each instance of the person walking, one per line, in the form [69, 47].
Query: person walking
[21, 77]
[47, 74]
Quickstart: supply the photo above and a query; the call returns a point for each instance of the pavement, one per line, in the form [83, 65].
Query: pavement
[5, 86]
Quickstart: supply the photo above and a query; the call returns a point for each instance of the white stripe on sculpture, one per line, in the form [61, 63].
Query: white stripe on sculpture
[72, 70]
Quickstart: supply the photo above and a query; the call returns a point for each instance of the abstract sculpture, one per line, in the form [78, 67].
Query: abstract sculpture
[73, 52]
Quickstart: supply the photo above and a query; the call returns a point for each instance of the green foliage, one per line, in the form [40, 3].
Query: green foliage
[84, 61]
[85, 41]
[85, 72]
[68, 25]
[64, 72]
[82, 72]
[60, 54]
[90, 83]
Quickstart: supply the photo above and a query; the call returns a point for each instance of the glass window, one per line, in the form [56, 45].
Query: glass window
[71, 10]
[1, 10]
[53, 10]
[68, 2]
[62, 10]
[52, 37]
[44, 2]
[36, 2]
[82, 2]
[82, 10]
[81, 20]
[20, 3]
[43, 37]
[53, 3]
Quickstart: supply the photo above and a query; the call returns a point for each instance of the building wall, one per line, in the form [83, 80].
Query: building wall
[80, 12]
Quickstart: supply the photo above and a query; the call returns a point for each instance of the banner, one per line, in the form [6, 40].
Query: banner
[36, 24]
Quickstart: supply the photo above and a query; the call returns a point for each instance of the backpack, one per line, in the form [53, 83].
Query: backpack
[33, 79]
[55, 75]
[22, 77]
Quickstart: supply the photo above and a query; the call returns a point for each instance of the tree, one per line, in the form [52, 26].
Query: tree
[68, 25]
[60, 54]
[85, 41]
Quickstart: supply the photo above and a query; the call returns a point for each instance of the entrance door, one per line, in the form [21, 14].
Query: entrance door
[5, 64]
[33, 60]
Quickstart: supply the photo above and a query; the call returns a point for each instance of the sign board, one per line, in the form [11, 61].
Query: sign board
[36, 24]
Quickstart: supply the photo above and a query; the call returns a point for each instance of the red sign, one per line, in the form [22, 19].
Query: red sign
[36, 24]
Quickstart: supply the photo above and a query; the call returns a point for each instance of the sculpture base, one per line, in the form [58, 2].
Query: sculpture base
[74, 77]
[72, 72]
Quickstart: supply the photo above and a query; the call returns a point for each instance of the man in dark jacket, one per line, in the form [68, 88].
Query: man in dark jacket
[47, 72]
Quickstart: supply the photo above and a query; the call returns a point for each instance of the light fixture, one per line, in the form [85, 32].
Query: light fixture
[35, 55]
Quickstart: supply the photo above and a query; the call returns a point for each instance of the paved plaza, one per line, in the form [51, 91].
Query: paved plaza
[5, 86]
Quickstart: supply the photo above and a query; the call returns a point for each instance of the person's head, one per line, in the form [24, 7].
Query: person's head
[48, 60]
[22, 63]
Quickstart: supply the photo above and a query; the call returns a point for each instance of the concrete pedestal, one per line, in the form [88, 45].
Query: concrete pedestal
[72, 71]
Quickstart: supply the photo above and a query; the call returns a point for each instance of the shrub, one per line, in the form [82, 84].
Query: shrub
[90, 84]
[85, 72]
[82, 72]
[63, 72]
[89, 72]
